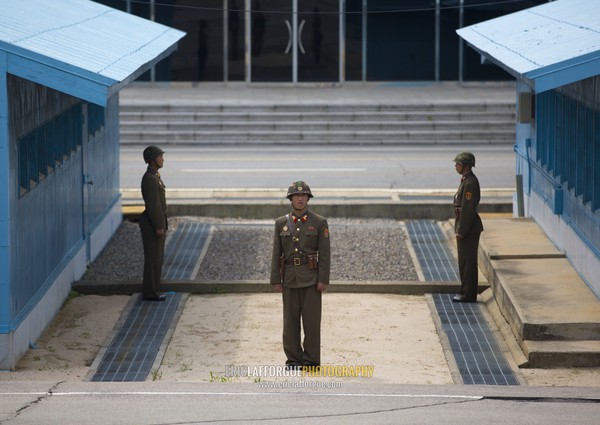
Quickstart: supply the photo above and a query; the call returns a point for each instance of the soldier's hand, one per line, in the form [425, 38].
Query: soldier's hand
[160, 233]
[322, 287]
[278, 287]
[459, 236]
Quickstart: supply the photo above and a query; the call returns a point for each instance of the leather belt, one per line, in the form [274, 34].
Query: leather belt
[297, 261]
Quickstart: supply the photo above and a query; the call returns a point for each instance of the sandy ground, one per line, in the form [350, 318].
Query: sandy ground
[220, 330]
[395, 334]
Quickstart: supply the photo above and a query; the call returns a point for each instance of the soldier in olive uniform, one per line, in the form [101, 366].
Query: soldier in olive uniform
[467, 227]
[300, 270]
[153, 223]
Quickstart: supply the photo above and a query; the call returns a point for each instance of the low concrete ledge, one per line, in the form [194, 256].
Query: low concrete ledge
[513, 238]
[249, 286]
[545, 299]
[387, 210]
[553, 354]
[552, 313]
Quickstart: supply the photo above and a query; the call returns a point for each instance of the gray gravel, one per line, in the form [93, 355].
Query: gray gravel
[241, 250]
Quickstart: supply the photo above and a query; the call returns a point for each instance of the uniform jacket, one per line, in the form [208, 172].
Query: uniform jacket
[466, 202]
[153, 192]
[312, 234]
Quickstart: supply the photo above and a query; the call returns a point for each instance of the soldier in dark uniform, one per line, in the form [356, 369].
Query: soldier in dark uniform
[467, 227]
[153, 223]
[300, 270]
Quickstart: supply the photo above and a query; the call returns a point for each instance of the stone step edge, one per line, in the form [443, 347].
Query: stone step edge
[555, 354]
[260, 286]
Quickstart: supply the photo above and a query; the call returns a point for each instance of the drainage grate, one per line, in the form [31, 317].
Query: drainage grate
[135, 346]
[184, 249]
[478, 356]
[434, 256]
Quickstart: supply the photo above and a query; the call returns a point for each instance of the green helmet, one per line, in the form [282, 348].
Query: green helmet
[465, 158]
[152, 152]
[297, 188]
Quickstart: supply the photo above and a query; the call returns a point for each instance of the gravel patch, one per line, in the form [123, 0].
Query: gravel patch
[369, 249]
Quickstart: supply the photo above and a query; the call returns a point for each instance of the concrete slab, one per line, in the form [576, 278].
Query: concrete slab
[506, 238]
[546, 299]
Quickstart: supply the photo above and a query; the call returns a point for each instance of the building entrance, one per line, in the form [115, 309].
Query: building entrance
[321, 41]
[294, 41]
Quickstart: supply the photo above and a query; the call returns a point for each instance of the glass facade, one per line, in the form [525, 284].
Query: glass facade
[322, 40]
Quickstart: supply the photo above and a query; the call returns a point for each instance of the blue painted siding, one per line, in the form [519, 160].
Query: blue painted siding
[102, 164]
[47, 219]
[567, 167]
[56, 212]
[4, 199]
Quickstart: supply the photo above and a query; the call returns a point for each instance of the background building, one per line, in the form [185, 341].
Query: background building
[322, 40]
[62, 64]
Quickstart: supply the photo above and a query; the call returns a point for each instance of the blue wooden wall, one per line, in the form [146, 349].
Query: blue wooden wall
[566, 172]
[56, 142]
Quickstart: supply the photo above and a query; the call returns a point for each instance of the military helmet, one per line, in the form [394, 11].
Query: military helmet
[152, 152]
[297, 188]
[465, 158]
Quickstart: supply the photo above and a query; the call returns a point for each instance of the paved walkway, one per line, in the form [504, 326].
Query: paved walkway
[367, 93]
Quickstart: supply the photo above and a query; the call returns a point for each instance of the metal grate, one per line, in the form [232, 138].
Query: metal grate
[478, 356]
[134, 348]
[432, 251]
[184, 249]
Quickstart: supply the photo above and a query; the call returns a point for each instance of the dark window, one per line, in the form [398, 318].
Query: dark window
[568, 145]
[47, 147]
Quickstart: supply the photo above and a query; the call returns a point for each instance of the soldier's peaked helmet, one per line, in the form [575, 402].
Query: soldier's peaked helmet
[465, 158]
[298, 188]
[152, 152]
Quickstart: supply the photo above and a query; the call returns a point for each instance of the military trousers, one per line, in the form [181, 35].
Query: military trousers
[302, 305]
[154, 249]
[467, 265]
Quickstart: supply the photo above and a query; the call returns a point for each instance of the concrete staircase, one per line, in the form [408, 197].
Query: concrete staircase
[317, 123]
[550, 311]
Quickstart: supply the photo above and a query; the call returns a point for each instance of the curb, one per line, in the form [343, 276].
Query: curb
[263, 286]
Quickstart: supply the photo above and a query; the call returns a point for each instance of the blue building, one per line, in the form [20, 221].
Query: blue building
[553, 51]
[62, 64]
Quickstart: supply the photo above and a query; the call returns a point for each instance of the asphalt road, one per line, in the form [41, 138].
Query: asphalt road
[229, 403]
[364, 167]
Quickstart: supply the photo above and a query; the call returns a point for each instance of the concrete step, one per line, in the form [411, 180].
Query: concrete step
[152, 126]
[555, 354]
[270, 107]
[318, 122]
[356, 115]
[542, 297]
[433, 136]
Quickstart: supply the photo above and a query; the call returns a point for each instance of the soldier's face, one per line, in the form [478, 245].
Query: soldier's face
[299, 201]
[458, 167]
[160, 160]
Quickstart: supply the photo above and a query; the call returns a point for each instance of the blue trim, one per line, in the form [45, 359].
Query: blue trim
[50, 75]
[5, 297]
[564, 73]
[39, 295]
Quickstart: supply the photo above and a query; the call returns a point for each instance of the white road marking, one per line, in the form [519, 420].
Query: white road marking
[272, 170]
[246, 394]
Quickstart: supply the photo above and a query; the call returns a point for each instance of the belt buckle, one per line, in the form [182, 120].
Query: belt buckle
[297, 261]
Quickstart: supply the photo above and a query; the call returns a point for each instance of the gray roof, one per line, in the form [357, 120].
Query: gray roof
[80, 47]
[550, 45]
